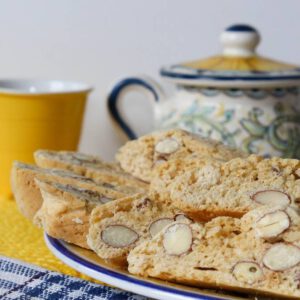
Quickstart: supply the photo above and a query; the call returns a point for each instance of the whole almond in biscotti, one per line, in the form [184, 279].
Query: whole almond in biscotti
[178, 239]
[182, 218]
[272, 224]
[119, 236]
[247, 271]
[167, 146]
[282, 256]
[271, 197]
[158, 225]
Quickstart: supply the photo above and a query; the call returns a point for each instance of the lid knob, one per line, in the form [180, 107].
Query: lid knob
[240, 40]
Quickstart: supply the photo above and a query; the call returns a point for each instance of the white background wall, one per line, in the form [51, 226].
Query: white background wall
[99, 41]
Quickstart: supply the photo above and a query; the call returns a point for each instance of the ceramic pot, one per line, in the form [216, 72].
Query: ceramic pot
[238, 97]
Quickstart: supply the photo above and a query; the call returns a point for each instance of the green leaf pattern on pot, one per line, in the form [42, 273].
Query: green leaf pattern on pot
[265, 129]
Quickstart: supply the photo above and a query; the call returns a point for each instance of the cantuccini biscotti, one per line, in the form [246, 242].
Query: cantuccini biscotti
[69, 160]
[118, 226]
[88, 166]
[259, 253]
[233, 188]
[164, 174]
[27, 193]
[66, 209]
[25, 190]
[140, 156]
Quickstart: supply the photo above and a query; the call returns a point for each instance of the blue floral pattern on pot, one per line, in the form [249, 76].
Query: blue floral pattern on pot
[286, 141]
[268, 127]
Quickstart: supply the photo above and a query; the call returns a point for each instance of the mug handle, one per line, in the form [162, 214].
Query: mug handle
[149, 87]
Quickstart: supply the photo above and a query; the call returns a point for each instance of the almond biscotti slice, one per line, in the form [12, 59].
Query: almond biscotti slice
[140, 156]
[259, 253]
[27, 193]
[118, 226]
[233, 188]
[66, 209]
[164, 174]
[69, 160]
[88, 166]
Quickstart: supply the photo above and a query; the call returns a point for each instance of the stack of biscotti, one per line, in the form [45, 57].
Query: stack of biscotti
[88, 166]
[56, 197]
[254, 246]
[140, 158]
[259, 253]
[184, 209]
[27, 193]
[247, 231]
[66, 209]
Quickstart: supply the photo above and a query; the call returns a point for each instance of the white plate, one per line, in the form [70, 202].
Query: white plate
[87, 262]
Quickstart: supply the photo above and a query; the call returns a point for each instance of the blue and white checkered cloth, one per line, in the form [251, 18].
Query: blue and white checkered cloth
[23, 281]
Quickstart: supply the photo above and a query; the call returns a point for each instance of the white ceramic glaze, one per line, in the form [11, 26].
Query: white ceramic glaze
[239, 43]
[37, 86]
[254, 109]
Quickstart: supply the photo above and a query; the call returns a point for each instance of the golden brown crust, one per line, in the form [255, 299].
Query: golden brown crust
[63, 216]
[71, 161]
[25, 190]
[88, 166]
[27, 193]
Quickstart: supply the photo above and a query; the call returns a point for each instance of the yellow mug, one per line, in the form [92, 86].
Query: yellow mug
[37, 114]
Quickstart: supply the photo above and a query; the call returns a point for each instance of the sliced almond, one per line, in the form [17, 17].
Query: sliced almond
[282, 256]
[294, 214]
[182, 218]
[105, 199]
[291, 236]
[158, 225]
[119, 236]
[272, 197]
[167, 146]
[178, 239]
[247, 272]
[272, 224]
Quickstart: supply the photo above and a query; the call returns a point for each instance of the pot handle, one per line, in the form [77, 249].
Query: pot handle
[144, 84]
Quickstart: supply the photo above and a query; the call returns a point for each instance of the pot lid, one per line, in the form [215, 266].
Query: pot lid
[237, 66]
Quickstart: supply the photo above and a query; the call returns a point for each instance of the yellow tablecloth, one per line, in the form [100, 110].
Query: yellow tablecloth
[21, 240]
